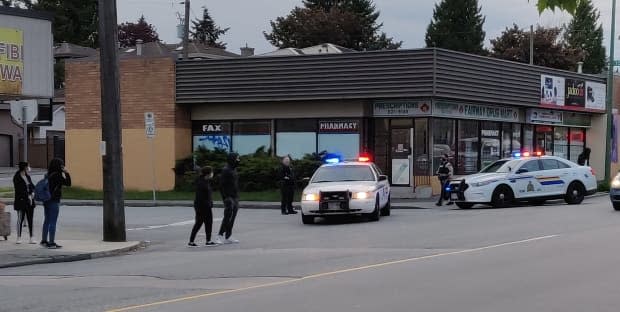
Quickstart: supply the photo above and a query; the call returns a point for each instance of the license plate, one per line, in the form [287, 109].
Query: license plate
[335, 206]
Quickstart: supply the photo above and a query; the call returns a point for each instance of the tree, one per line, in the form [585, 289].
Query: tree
[129, 33]
[567, 5]
[457, 25]
[549, 48]
[207, 32]
[349, 23]
[584, 32]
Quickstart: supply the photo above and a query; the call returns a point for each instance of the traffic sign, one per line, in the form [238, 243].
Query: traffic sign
[149, 124]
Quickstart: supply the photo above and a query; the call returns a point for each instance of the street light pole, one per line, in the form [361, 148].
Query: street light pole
[186, 30]
[610, 92]
[112, 159]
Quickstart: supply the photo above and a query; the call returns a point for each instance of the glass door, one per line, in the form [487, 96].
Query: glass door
[544, 139]
[401, 156]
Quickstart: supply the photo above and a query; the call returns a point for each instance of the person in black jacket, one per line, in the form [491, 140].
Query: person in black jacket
[287, 186]
[584, 158]
[203, 202]
[24, 200]
[229, 187]
[57, 176]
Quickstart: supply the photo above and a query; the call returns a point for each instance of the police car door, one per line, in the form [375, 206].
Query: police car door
[552, 177]
[524, 182]
[382, 186]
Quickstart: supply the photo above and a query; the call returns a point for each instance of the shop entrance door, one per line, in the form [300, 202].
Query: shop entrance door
[544, 139]
[401, 156]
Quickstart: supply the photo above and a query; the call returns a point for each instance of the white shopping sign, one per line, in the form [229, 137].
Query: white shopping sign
[149, 124]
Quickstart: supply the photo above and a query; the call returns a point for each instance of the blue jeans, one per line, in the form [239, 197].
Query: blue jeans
[51, 210]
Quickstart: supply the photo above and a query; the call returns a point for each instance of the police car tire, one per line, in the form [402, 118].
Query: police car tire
[464, 205]
[307, 219]
[575, 199]
[386, 211]
[497, 201]
[616, 206]
[375, 215]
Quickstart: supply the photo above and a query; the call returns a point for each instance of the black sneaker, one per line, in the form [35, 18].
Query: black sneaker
[292, 212]
[191, 245]
[438, 204]
[210, 244]
[450, 203]
[284, 213]
[43, 243]
[53, 246]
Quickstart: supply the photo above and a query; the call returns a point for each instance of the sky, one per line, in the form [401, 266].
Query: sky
[404, 20]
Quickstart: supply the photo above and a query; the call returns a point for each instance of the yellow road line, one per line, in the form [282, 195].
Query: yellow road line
[319, 275]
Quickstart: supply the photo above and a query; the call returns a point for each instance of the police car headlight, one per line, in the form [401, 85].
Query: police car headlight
[361, 195]
[483, 183]
[616, 182]
[310, 197]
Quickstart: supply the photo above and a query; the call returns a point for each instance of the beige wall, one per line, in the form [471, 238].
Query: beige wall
[84, 160]
[327, 109]
[596, 141]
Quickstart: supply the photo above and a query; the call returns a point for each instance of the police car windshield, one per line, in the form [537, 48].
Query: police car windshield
[504, 165]
[343, 173]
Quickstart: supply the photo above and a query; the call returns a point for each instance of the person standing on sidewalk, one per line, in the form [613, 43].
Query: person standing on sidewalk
[444, 173]
[229, 187]
[203, 202]
[57, 176]
[24, 200]
[287, 186]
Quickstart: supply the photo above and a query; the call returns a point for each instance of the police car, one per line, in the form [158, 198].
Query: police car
[532, 178]
[346, 188]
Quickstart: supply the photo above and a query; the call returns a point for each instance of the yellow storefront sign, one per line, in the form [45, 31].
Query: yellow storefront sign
[11, 61]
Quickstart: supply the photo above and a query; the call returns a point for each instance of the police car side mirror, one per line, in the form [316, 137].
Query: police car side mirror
[522, 170]
[383, 177]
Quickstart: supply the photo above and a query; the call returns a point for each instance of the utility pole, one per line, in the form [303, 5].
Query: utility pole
[186, 30]
[111, 146]
[25, 129]
[610, 93]
[531, 44]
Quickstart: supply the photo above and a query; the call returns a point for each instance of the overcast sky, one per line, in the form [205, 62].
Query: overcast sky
[404, 20]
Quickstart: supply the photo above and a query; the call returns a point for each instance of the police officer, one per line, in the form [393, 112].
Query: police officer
[287, 186]
[444, 173]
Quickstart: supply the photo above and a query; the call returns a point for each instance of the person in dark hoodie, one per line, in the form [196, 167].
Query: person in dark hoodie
[24, 200]
[57, 176]
[203, 203]
[584, 158]
[287, 186]
[229, 187]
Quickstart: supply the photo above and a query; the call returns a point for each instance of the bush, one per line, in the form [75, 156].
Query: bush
[257, 172]
[603, 186]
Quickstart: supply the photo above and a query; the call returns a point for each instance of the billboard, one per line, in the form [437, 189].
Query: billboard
[551, 90]
[595, 95]
[11, 61]
[575, 93]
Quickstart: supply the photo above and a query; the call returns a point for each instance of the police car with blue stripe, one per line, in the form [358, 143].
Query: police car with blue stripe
[526, 177]
[346, 188]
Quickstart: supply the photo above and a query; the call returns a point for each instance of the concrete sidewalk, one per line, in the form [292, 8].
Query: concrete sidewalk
[14, 255]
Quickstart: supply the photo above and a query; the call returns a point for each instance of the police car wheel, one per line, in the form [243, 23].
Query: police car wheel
[464, 205]
[375, 215]
[386, 211]
[616, 206]
[307, 219]
[575, 193]
[502, 197]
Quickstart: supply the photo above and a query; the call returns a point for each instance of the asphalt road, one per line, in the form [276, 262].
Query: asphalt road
[550, 258]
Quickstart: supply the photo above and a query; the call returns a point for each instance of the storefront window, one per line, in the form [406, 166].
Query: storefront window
[443, 141]
[528, 138]
[506, 140]
[468, 147]
[516, 138]
[421, 164]
[211, 135]
[560, 142]
[382, 141]
[577, 141]
[295, 137]
[340, 137]
[249, 136]
[544, 139]
[490, 143]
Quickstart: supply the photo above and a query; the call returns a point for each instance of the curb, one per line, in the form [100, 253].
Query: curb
[78, 257]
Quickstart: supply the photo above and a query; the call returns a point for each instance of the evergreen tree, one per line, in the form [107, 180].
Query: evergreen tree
[586, 33]
[207, 32]
[349, 23]
[457, 25]
[129, 33]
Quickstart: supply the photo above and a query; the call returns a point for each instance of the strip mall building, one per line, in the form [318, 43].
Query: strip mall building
[405, 107]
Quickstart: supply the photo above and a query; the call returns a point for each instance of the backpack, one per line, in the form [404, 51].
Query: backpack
[42, 190]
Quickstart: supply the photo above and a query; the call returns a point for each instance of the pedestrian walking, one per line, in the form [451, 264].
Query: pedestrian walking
[24, 200]
[57, 177]
[229, 187]
[287, 186]
[584, 158]
[444, 173]
[203, 202]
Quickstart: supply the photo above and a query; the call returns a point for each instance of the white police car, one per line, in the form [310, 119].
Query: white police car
[532, 179]
[346, 188]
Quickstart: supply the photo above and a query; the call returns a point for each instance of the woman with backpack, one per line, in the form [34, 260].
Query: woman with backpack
[24, 200]
[57, 176]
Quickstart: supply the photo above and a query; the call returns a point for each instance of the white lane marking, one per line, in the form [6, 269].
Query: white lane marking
[319, 275]
[182, 223]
